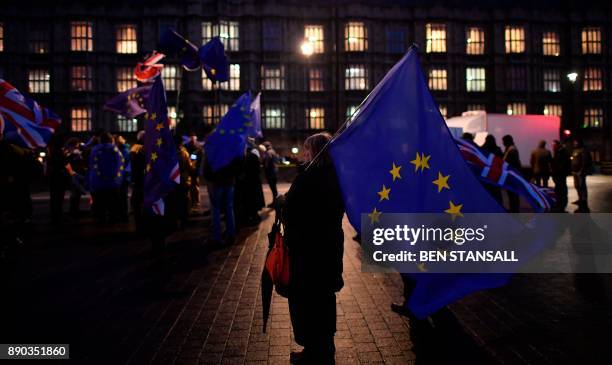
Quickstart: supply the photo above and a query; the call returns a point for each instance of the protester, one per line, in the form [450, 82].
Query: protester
[124, 148]
[490, 147]
[77, 169]
[196, 155]
[270, 159]
[249, 195]
[541, 159]
[312, 214]
[59, 178]
[511, 156]
[581, 165]
[106, 167]
[138, 159]
[182, 190]
[561, 168]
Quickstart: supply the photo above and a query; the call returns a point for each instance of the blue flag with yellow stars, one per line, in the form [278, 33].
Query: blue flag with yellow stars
[130, 103]
[396, 155]
[106, 167]
[228, 140]
[214, 61]
[162, 168]
[172, 43]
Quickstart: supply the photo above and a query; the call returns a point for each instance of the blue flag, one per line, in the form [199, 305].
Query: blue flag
[172, 43]
[255, 129]
[130, 103]
[162, 169]
[106, 167]
[228, 140]
[397, 146]
[214, 61]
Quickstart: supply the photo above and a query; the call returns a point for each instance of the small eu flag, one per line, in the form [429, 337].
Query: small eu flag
[396, 155]
[214, 61]
[228, 140]
[172, 43]
[162, 169]
[255, 129]
[130, 103]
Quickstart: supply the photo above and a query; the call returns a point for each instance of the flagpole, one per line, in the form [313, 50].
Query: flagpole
[178, 98]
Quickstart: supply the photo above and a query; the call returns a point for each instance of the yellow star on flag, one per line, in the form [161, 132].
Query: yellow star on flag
[158, 142]
[454, 210]
[441, 182]
[416, 162]
[374, 216]
[213, 71]
[153, 156]
[159, 126]
[421, 161]
[395, 172]
[424, 161]
[384, 193]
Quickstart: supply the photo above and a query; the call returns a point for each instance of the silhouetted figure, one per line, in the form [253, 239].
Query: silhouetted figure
[139, 162]
[312, 214]
[124, 148]
[196, 156]
[581, 166]
[511, 156]
[490, 147]
[561, 168]
[59, 179]
[540, 162]
[249, 196]
[105, 178]
[270, 159]
[183, 188]
[77, 168]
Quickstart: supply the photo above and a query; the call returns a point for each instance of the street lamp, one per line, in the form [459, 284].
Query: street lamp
[572, 77]
[307, 48]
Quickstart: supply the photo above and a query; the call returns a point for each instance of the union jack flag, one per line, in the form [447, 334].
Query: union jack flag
[22, 120]
[493, 170]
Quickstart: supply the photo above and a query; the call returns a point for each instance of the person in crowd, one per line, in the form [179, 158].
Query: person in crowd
[139, 162]
[182, 190]
[561, 168]
[194, 148]
[581, 166]
[77, 169]
[511, 156]
[124, 148]
[270, 159]
[540, 162]
[468, 137]
[59, 178]
[106, 168]
[249, 196]
[312, 212]
[221, 186]
[490, 147]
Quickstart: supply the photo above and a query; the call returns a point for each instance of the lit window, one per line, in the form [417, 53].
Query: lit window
[127, 124]
[443, 110]
[516, 78]
[551, 45]
[81, 36]
[356, 77]
[212, 113]
[206, 83]
[272, 35]
[125, 79]
[80, 119]
[474, 41]
[234, 78]
[350, 110]
[315, 79]
[396, 40]
[476, 107]
[593, 80]
[314, 35]
[516, 109]
[39, 81]
[553, 109]
[81, 78]
[272, 77]
[315, 118]
[437, 79]
[172, 116]
[591, 40]
[515, 39]
[227, 31]
[435, 35]
[355, 37]
[171, 76]
[593, 117]
[127, 38]
[273, 117]
[552, 81]
[475, 79]
[39, 40]
[1, 37]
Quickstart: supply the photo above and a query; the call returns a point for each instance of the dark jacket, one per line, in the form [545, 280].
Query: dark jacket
[312, 215]
[511, 156]
[225, 175]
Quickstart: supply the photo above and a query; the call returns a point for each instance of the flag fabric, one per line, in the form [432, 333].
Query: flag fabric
[106, 167]
[214, 61]
[162, 168]
[254, 130]
[173, 43]
[493, 170]
[396, 155]
[130, 103]
[228, 140]
[147, 70]
[23, 121]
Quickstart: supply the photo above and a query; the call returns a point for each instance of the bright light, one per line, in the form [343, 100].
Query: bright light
[173, 115]
[307, 48]
[295, 150]
[509, 112]
[286, 162]
[352, 40]
[313, 113]
[42, 154]
[545, 111]
[572, 76]
[567, 132]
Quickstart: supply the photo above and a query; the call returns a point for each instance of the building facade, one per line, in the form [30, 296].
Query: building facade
[315, 61]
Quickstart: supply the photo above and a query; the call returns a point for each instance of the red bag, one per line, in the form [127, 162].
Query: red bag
[277, 262]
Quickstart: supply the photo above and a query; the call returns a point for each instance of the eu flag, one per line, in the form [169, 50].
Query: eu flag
[172, 43]
[162, 169]
[214, 61]
[255, 129]
[228, 140]
[396, 155]
[130, 103]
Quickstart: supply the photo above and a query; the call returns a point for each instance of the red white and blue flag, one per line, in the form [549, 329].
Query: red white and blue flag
[23, 121]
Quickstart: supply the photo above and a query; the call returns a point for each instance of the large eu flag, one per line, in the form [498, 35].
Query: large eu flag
[214, 61]
[162, 169]
[130, 103]
[228, 140]
[396, 155]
